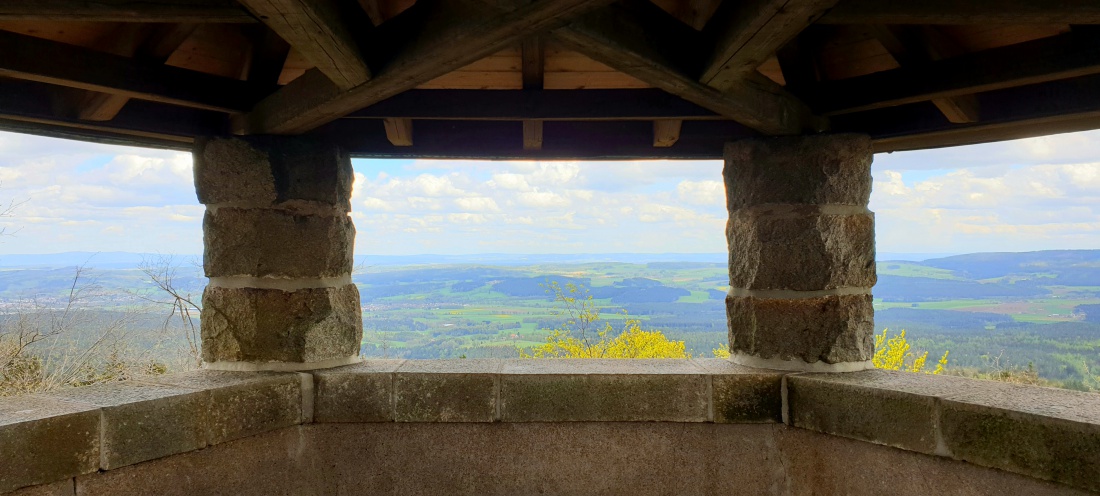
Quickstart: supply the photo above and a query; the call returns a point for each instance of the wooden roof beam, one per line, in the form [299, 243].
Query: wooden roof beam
[34, 59]
[315, 29]
[554, 105]
[453, 34]
[750, 32]
[533, 62]
[964, 12]
[186, 11]
[1048, 59]
[622, 38]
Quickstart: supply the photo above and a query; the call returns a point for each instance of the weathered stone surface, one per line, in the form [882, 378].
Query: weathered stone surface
[741, 394]
[145, 421]
[44, 440]
[60, 488]
[819, 464]
[232, 171]
[603, 390]
[446, 390]
[243, 404]
[805, 251]
[1044, 433]
[831, 329]
[634, 458]
[261, 325]
[891, 408]
[265, 464]
[356, 393]
[268, 171]
[815, 169]
[266, 242]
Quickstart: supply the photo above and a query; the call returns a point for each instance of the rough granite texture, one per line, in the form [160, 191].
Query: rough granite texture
[865, 413]
[355, 393]
[243, 404]
[1040, 432]
[145, 421]
[45, 439]
[446, 390]
[270, 171]
[276, 243]
[563, 458]
[806, 252]
[817, 170]
[260, 325]
[830, 329]
[574, 390]
[65, 487]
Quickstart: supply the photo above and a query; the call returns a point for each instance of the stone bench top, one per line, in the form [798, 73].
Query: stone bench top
[1043, 433]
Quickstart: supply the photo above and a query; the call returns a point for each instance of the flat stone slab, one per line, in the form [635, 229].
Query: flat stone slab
[46, 439]
[1045, 433]
[599, 390]
[447, 390]
[145, 421]
[243, 404]
[355, 393]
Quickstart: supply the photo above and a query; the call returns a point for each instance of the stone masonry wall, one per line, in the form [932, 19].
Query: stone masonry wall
[278, 251]
[802, 252]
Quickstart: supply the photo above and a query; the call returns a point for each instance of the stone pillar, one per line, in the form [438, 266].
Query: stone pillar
[802, 252]
[278, 252]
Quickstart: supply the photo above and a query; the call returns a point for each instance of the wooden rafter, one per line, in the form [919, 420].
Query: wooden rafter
[35, 59]
[666, 132]
[1049, 59]
[1012, 113]
[315, 29]
[964, 12]
[920, 45]
[615, 37]
[750, 32]
[399, 131]
[185, 11]
[454, 35]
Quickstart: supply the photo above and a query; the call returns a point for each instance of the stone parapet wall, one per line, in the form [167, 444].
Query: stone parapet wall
[562, 426]
[279, 247]
[801, 252]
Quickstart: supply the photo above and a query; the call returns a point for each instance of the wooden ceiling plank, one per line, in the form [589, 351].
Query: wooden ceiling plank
[184, 11]
[613, 37]
[932, 12]
[924, 45]
[666, 132]
[1049, 59]
[34, 59]
[454, 35]
[315, 29]
[154, 49]
[750, 32]
[399, 131]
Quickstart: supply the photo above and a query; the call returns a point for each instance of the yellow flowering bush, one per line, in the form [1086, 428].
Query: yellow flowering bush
[893, 353]
[583, 336]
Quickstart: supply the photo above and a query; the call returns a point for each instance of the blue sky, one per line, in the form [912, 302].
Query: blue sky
[1040, 193]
